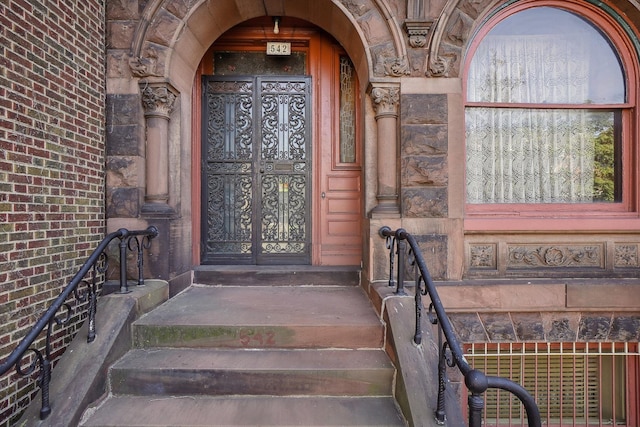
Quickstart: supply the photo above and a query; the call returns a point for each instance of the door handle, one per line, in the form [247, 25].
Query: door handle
[323, 195]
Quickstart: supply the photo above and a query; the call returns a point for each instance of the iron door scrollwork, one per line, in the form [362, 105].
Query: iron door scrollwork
[256, 170]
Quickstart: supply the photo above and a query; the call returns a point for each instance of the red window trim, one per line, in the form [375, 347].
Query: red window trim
[604, 216]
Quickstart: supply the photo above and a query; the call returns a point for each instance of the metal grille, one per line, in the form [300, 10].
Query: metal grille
[256, 170]
[574, 384]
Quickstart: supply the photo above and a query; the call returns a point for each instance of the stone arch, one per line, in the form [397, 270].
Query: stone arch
[455, 26]
[172, 36]
[168, 44]
[450, 34]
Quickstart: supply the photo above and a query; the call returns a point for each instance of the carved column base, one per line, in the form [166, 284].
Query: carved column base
[387, 208]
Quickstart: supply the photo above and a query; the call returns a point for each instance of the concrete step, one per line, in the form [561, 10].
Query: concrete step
[262, 317]
[192, 411]
[226, 355]
[276, 275]
[253, 372]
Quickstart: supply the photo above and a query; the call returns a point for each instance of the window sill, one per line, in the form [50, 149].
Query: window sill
[531, 223]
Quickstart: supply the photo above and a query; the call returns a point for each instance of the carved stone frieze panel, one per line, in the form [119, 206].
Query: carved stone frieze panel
[626, 255]
[483, 256]
[556, 256]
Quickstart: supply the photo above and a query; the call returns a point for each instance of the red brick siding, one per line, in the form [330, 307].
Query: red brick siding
[51, 162]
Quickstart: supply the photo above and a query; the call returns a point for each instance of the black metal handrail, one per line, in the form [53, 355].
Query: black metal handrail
[450, 351]
[96, 264]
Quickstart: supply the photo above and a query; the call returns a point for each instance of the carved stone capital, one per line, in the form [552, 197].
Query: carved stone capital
[158, 98]
[385, 100]
[417, 32]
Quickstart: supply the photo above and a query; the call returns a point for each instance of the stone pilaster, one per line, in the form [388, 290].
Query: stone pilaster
[386, 99]
[158, 100]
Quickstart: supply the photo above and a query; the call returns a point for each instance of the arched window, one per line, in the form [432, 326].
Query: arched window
[549, 112]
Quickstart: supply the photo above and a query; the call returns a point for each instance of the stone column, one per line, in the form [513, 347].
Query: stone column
[385, 103]
[158, 99]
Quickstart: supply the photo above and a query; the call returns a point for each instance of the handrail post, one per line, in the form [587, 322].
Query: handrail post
[477, 382]
[441, 416]
[45, 380]
[124, 286]
[402, 250]
[476, 405]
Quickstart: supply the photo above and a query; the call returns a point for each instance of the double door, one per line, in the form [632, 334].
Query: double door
[256, 170]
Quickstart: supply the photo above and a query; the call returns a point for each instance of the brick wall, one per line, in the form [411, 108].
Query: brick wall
[51, 162]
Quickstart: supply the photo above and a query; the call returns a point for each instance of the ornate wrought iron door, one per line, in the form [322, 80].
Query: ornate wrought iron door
[256, 171]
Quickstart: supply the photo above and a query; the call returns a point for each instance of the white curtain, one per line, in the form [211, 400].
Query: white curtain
[527, 155]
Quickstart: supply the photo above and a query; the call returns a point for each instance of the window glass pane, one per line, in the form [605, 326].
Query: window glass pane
[249, 63]
[545, 55]
[347, 111]
[540, 156]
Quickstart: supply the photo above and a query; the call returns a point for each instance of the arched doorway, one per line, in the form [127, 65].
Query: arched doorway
[281, 158]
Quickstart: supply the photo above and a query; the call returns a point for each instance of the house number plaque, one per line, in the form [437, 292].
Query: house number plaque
[278, 48]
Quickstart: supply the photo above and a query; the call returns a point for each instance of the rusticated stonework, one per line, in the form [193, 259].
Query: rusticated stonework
[555, 256]
[546, 326]
[483, 256]
[626, 255]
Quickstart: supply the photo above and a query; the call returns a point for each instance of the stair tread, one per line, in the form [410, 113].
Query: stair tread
[260, 306]
[263, 372]
[254, 360]
[193, 411]
[278, 275]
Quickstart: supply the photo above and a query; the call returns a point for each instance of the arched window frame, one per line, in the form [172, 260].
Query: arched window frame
[624, 215]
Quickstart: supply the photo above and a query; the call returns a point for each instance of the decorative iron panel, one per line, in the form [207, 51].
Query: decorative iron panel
[284, 157]
[246, 182]
[227, 185]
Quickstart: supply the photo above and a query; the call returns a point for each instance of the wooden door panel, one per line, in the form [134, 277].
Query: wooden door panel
[339, 172]
[341, 210]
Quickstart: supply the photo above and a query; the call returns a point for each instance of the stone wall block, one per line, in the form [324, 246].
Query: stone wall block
[625, 328]
[425, 202]
[123, 109]
[424, 171]
[498, 326]
[357, 7]
[458, 29]
[423, 109]
[468, 327]
[473, 9]
[118, 64]
[420, 140]
[180, 9]
[123, 140]
[163, 28]
[123, 10]
[417, 59]
[120, 34]
[528, 326]
[374, 27]
[123, 202]
[434, 248]
[124, 171]
[594, 327]
[561, 327]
